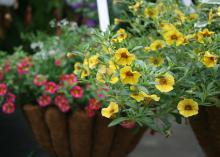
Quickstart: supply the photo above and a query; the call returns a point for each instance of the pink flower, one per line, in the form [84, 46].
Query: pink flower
[62, 103]
[51, 87]
[94, 104]
[57, 62]
[101, 96]
[24, 66]
[71, 79]
[10, 97]
[90, 112]
[8, 107]
[3, 89]
[128, 124]
[39, 80]
[44, 100]
[77, 92]
[7, 67]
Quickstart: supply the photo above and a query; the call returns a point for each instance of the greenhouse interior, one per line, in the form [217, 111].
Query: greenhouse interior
[110, 78]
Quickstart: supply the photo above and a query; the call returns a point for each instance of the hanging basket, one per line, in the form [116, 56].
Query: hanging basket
[207, 130]
[74, 134]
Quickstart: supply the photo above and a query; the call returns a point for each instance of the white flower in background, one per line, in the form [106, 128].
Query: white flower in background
[72, 26]
[201, 24]
[52, 52]
[41, 55]
[36, 45]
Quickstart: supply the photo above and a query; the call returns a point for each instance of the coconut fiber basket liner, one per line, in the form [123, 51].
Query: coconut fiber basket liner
[76, 135]
[206, 127]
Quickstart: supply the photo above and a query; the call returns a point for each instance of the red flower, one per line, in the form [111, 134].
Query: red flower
[44, 100]
[57, 62]
[77, 92]
[3, 89]
[128, 124]
[8, 107]
[62, 103]
[24, 66]
[71, 79]
[10, 97]
[51, 87]
[39, 80]
[90, 112]
[94, 104]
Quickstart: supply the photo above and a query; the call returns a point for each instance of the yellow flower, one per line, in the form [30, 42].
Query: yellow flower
[77, 67]
[123, 57]
[167, 26]
[122, 35]
[111, 110]
[70, 55]
[147, 49]
[151, 12]
[93, 61]
[128, 76]
[180, 15]
[205, 33]
[114, 80]
[117, 21]
[157, 44]
[153, 97]
[174, 37]
[209, 60]
[188, 107]
[136, 6]
[156, 61]
[165, 83]
[218, 13]
[85, 73]
[139, 96]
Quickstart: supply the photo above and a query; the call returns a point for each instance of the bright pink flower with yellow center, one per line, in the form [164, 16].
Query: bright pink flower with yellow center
[3, 89]
[8, 108]
[44, 100]
[94, 104]
[77, 92]
[39, 80]
[90, 112]
[70, 79]
[24, 66]
[62, 103]
[58, 62]
[51, 87]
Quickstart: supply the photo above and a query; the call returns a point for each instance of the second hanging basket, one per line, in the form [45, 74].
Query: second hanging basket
[74, 134]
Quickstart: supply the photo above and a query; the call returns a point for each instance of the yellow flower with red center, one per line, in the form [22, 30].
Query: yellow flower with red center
[174, 37]
[205, 33]
[123, 57]
[128, 76]
[77, 67]
[151, 12]
[117, 21]
[121, 35]
[188, 107]
[156, 61]
[85, 73]
[193, 16]
[93, 61]
[165, 83]
[111, 110]
[140, 96]
[157, 44]
[209, 60]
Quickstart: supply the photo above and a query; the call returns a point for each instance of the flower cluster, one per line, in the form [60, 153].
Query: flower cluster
[159, 67]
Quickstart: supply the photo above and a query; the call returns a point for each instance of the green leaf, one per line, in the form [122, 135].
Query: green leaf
[117, 121]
